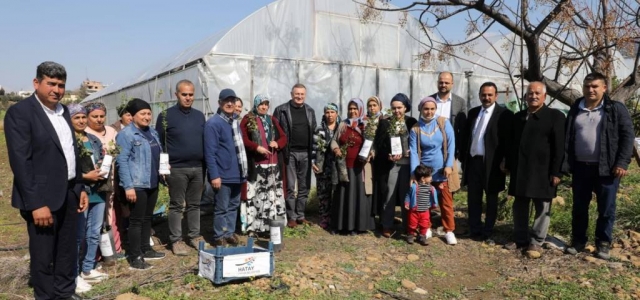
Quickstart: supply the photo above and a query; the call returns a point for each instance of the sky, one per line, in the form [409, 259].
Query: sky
[106, 40]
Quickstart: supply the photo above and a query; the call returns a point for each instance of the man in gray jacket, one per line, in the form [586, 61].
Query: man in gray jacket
[298, 120]
[450, 105]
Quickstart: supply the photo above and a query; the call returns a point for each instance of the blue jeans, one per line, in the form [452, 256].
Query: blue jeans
[225, 211]
[95, 217]
[586, 180]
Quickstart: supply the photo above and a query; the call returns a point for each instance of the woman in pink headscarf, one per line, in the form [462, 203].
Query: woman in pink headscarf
[351, 208]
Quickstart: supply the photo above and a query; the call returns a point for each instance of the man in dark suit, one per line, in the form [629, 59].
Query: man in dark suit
[484, 141]
[534, 161]
[450, 105]
[47, 183]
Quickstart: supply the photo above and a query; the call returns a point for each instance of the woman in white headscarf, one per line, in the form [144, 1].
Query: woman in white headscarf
[351, 208]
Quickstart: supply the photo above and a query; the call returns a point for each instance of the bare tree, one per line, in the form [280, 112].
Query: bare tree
[558, 37]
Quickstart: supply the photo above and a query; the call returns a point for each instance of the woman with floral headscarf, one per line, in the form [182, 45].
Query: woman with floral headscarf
[96, 119]
[351, 209]
[324, 163]
[90, 221]
[263, 140]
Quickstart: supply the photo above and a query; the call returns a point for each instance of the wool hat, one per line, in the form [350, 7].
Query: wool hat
[136, 105]
[404, 99]
[425, 100]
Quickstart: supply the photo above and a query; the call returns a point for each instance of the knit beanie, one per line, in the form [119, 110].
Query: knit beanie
[136, 105]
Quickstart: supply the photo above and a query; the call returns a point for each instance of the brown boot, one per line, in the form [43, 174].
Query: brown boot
[292, 224]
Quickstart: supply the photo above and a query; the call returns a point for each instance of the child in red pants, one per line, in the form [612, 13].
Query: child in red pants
[419, 200]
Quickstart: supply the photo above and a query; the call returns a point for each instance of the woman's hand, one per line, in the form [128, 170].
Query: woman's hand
[93, 175]
[337, 152]
[273, 144]
[131, 195]
[263, 150]
[315, 168]
[448, 171]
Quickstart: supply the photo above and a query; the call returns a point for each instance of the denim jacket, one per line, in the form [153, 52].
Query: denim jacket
[134, 160]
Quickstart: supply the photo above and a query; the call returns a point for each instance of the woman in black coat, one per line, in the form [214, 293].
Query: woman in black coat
[392, 171]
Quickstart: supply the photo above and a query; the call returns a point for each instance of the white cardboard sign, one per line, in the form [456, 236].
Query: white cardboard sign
[246, 265]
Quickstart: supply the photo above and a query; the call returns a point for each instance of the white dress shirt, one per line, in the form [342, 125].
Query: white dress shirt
[64, 135]
[444, 106]
[477, 145]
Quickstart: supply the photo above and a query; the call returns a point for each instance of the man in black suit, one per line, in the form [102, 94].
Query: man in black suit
[484, 142]
[47, 183]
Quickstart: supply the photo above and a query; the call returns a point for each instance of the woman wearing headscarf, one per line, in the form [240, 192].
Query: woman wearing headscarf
[371, 121]
[90, 221]
[263, 140]
[96, 118]
[434, 147]
[139, 164]
[351, 209]
[324, 163]
[393, 170]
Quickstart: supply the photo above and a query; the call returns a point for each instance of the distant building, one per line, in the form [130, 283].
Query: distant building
[92, 86]
[69, 98]
[24, 94]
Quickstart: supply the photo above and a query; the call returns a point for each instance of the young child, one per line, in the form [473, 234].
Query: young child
[420, 198]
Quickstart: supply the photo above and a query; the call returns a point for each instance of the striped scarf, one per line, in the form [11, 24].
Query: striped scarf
[237, 140]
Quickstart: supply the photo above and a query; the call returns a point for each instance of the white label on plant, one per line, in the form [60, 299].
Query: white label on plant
[105, 245]
[366, 148]
[275, 235]
[164, 164]
[105, 168]
[246, 265]
[396, 146]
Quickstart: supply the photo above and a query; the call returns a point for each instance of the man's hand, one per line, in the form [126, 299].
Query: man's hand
[554, 180]
[503, 167]
[216, 183]
[93, 175]
[42, 217]
[619, 172]
[131, 195]
[273, 144]
[395, 157]
[84, 202]
[315, 168]
[448, 171]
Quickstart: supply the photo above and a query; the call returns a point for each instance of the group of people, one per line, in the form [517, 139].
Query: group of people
[75, 178]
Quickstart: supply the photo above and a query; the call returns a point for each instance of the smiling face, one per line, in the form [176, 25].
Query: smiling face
[142, 118]
[428, 110]
[353, 111]
[263, 108]
[49, 90]
[96, 119]
[488, 96]
[594, 90]
[126, 118]
[79, 122]
[398, 109]
[228, 106]
[238, 108]
[298, 95]
[536, 95]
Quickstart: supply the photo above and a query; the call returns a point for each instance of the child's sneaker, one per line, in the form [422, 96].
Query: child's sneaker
[429, 234]
[410, 239]
[422, 240]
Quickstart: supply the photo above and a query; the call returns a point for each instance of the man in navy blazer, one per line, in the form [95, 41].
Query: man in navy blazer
[47, 182]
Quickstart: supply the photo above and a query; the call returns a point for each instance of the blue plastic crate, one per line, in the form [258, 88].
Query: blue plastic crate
[222, 265]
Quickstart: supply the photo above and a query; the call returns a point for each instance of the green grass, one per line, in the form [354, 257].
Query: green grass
[299, 232]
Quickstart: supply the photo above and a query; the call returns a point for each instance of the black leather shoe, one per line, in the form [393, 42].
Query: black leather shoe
[74, 297]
